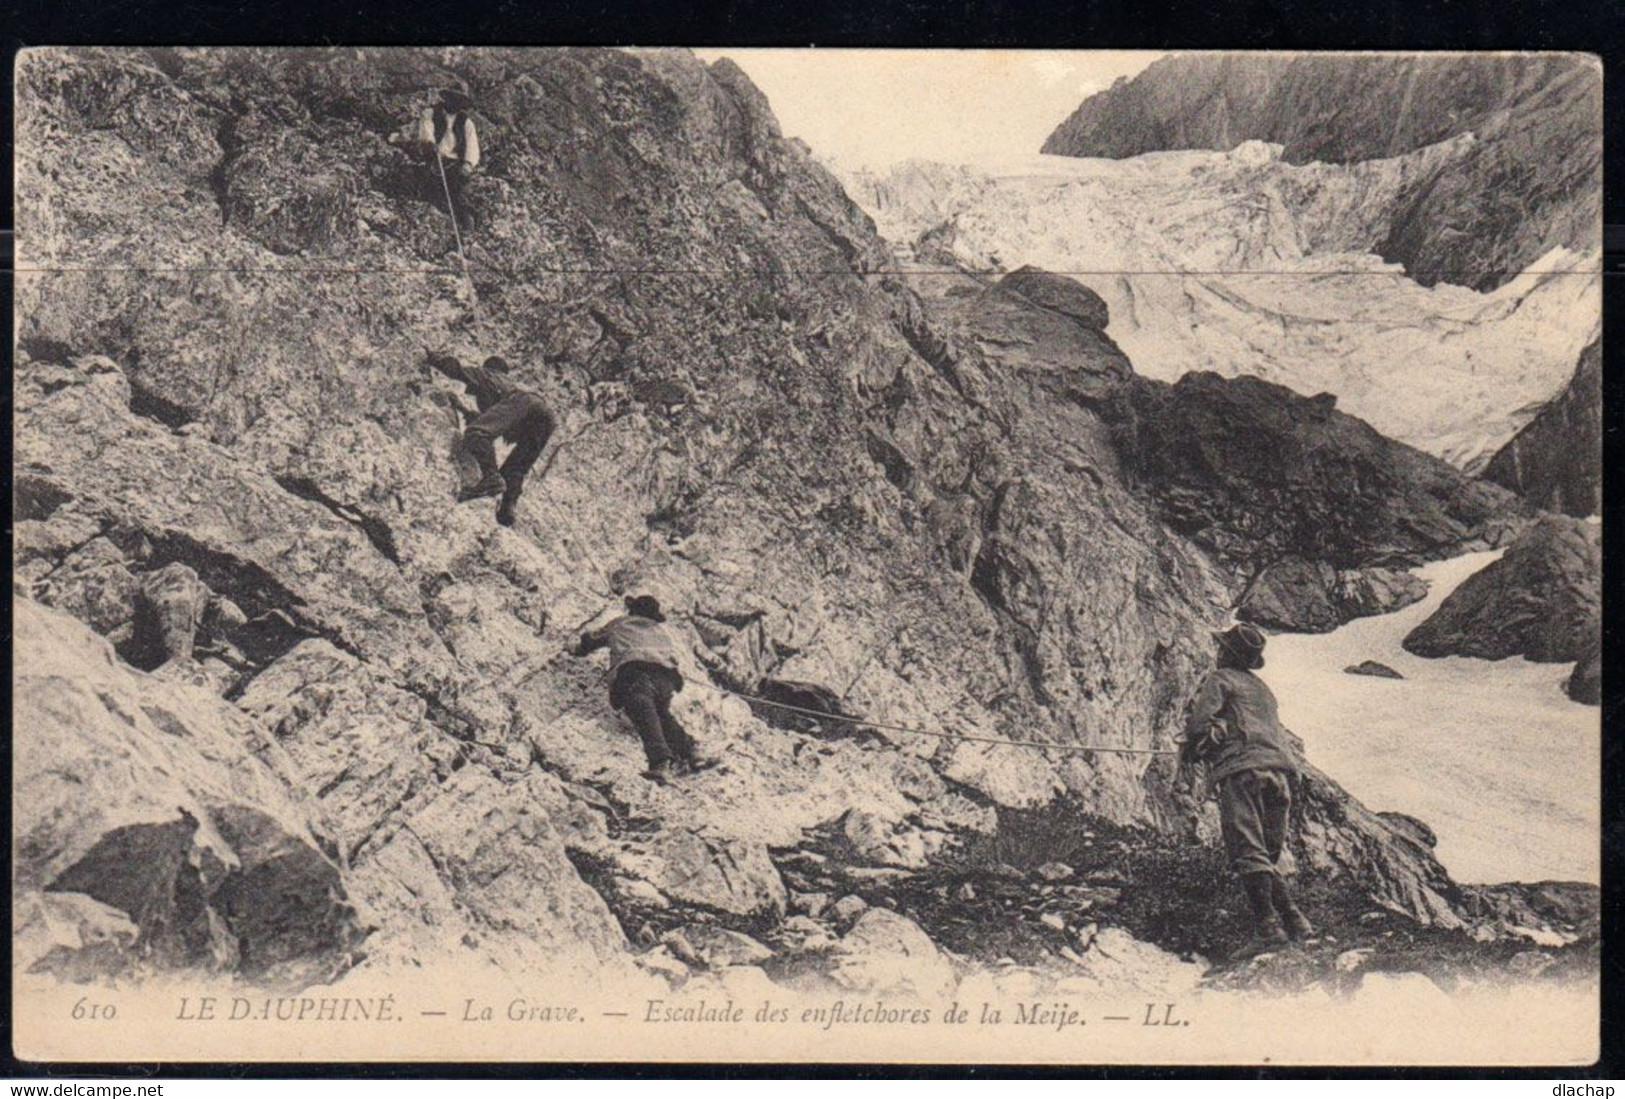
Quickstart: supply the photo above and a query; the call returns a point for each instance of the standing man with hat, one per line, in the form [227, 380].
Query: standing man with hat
[1234, 728]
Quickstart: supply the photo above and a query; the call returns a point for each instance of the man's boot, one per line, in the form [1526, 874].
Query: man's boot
[505, 510]
[698, 761]
[661, 773]
[489, 485]
[1268, 934]
[483, 450]
[1297, 925]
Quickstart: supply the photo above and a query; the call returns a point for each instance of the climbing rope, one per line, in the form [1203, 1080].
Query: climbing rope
[1110, 748]
[457, 232]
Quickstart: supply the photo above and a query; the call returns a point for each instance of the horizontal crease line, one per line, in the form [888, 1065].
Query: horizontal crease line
[735, 273]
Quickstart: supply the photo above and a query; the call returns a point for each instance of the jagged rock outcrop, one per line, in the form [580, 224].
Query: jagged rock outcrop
[1311, 510]
[843, 498]
[162, 810]
[1529, 178]
[1542, 600]
[1555, 462]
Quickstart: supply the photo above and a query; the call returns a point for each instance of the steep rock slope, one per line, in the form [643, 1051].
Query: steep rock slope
[1528, 182]
[1555, 462]
[232, 464]
[1244, 263]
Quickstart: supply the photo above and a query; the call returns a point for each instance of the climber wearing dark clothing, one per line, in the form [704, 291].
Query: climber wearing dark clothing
[508, 412]
[1234, 728]
[643, 677]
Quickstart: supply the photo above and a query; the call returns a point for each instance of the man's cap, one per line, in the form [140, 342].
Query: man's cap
[644, 606]
[1245, 642]
[498, 364]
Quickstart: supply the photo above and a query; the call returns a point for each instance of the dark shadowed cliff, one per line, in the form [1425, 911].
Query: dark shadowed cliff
[1555, 462]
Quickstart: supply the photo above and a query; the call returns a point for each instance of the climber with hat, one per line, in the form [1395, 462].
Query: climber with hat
[643, 677]
[507, 411]
[444, 136]
[1234, 729]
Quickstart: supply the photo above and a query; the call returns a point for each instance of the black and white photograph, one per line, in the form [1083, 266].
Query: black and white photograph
[833, 556]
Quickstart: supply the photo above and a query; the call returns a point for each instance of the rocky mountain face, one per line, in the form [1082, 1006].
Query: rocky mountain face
[1526, 179]
[1243, 262]
[1555, 462]
[1311, 514]
[292, 714]
[1542, 600]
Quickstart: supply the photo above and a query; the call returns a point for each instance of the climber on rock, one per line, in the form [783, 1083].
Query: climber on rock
[507, 411]
[445, 137]
[1233, 727]
[643, 677]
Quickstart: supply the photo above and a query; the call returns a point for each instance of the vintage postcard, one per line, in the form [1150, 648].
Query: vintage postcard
[789, 555]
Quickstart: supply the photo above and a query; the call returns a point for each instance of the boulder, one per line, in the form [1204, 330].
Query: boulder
[1293, 594]
[849, 908]
[1372, 668]
[1363, 592]
[875, 840]
[1585, 682]
[164, 804]
[1063, 295]
[74, 936]
[168, 612]
[887, 954]
[716, 947]
[1542, 600]
[810, 904]
[731, 876]
[92, 582]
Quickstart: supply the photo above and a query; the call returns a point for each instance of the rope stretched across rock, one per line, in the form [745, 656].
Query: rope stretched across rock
[1111, 748]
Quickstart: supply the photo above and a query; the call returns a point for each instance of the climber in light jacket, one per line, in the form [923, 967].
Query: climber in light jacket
[445, 138]
[1233, 727]
[507, 411]
[643, 677]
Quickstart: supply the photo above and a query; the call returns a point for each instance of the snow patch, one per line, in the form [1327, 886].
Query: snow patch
[1492, 755]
